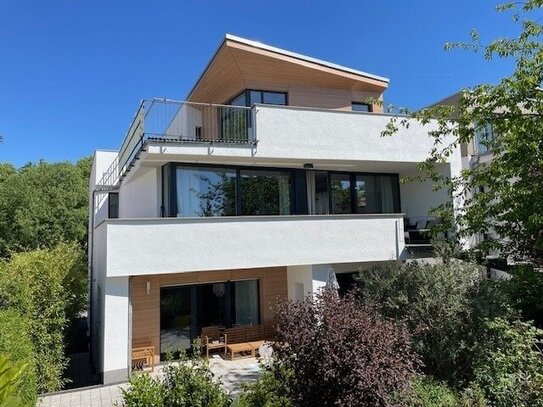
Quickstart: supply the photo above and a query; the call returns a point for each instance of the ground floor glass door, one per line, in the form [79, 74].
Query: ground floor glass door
[185, 310]
[175, 319]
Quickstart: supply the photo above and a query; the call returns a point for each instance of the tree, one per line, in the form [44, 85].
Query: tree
[334, 351]
[43, 204]
[504, 195]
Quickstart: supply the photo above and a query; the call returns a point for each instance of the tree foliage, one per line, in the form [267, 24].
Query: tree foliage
[43, 204]
[503, 195]
[509, 372]
[444, 306]
[341, 353]
[48, 287]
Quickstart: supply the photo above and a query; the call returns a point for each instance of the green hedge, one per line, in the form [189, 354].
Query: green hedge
[15, 344]
[47, 287]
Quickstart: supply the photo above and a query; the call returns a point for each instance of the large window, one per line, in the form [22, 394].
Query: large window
[265, 192]
[205, 191]
[198, 191]
[364, 193]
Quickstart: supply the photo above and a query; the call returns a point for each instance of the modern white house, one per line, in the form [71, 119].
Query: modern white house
[269, 180]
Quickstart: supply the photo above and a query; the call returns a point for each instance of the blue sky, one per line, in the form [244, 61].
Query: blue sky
[72, 72]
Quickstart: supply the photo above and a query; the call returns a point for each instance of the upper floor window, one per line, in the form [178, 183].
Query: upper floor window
[360, 107]
[484, 138]
[113, 205]
[250, 97]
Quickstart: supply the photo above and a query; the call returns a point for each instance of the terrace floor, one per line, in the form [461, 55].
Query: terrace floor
[231, 373]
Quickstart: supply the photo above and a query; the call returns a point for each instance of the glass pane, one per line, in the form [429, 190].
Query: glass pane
[255, 96]
[367, 200]
[341, 193]
[322, 198]
[175, 319]
[234, 123]
[245, 302]
[211, 307]
[265, 192]
[274, 98]
[360, 107]
[206, 192]
[389, 195]
[239, 100]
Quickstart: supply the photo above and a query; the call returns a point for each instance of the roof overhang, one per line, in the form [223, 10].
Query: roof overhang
[238, 63]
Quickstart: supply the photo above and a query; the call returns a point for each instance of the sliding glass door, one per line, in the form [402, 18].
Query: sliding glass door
[185, 310]
[175, 319]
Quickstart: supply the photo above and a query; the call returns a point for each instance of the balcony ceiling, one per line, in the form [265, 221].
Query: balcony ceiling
[239, 65]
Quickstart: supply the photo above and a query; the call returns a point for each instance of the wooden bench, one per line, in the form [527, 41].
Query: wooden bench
[236, 343]
[255, 335]
[143, 357]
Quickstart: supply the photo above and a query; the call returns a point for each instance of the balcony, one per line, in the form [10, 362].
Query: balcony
[175, 245]
[165, 129]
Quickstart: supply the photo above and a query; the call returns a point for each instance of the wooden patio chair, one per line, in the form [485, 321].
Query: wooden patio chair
[211, 339]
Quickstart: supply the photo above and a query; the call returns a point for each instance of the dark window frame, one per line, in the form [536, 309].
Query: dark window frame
[296, 207]
[112, 213]
[370, 107]
[352, 176]
[248, 91]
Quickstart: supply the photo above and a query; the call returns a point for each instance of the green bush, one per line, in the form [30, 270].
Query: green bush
[10, 376]
[427, 392]
[184, 384]
[444, 307]
[47, 287]
[16, 346]
[525, 288]
[509, 371]
[270, 390]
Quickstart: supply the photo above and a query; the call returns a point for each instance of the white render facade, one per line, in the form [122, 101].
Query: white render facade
[319, 216]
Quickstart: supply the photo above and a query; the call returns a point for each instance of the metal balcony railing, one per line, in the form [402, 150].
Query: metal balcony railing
[165, 120]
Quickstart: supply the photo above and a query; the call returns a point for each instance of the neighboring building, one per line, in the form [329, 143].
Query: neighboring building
[270, 178]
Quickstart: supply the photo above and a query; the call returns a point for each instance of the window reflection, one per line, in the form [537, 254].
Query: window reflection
[341, 193]
[265, 192]
[206, 192]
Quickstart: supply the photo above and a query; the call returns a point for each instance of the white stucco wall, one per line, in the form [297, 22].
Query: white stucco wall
[116, 329]
[301, 275]
[140, 197]
[174, 245]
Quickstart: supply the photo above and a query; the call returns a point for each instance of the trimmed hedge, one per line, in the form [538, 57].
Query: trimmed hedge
[15, 344]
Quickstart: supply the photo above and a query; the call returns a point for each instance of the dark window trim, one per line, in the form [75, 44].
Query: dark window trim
[370, 106]
[111, 215]
[298, 200]
[247, 96]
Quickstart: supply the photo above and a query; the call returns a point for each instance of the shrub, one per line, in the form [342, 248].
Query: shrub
[509, 371]
[525, 288]
[184, 384]
[46, 287]
[16, 346]
[426, 392]
[341, 352]
[444, 307]
[10, 377]
[270, 390]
